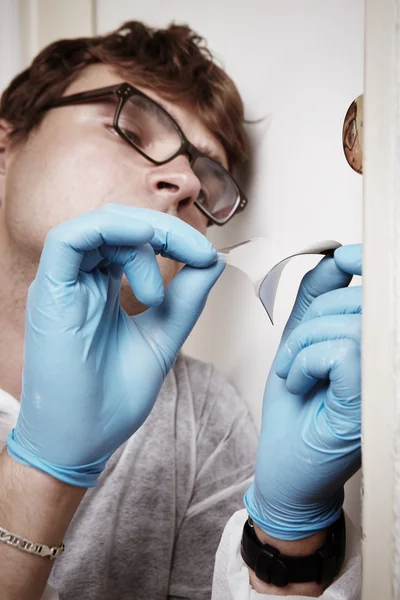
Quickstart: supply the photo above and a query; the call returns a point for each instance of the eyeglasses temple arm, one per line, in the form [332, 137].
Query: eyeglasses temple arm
[83, 96]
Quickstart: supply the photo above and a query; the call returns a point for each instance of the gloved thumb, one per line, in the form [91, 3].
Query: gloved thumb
[349, 258]
[325, 277]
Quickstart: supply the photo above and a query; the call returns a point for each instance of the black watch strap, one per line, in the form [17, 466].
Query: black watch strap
[279, 569]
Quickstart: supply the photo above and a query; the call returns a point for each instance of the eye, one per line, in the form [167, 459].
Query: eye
[133, 134]
[202, 198]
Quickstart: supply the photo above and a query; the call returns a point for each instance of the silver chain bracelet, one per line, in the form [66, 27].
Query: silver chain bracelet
[32, 547]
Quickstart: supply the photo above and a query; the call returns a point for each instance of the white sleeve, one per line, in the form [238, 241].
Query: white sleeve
[231, 576]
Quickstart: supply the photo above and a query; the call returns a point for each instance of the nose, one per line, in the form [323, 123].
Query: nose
[174, 183]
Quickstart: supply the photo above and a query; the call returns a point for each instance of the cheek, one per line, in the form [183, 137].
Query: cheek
[48, 184]
[169, 269]
[194, 217]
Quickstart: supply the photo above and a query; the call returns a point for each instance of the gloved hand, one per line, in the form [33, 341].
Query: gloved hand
[311, 423]
[92, 373]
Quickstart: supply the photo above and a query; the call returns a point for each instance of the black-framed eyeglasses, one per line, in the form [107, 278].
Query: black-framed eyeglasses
[152, 132]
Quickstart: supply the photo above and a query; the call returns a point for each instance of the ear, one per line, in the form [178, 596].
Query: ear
[5, 130]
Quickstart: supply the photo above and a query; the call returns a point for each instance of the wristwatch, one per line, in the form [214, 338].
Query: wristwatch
[279, 569]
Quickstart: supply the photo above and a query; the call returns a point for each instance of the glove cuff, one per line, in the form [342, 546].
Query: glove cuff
[293, 522]
[82, 476]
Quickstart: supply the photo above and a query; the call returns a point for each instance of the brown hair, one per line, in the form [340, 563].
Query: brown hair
[174, 62]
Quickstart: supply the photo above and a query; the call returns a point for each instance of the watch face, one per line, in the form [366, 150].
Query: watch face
[352, 134]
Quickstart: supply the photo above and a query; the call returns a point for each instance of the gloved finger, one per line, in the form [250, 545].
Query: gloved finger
[341, 301]
[141, 269]
[173, 238]
[339, 362]
[325, 277]
[107, 265]
[309, 333]
[349, 258]
[66, 243]
[169, 324]
[91, 260]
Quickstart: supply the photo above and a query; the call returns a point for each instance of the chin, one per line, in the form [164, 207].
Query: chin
[129, 302]
[131, 305]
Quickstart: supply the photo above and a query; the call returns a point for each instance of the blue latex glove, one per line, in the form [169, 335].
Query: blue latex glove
[311, 424]
[92, 373]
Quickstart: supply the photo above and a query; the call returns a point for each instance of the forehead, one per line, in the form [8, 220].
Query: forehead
[98, 76]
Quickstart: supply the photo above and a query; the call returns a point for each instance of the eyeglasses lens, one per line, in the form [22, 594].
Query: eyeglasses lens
[149, 128]
[153, 132]
[219, 195]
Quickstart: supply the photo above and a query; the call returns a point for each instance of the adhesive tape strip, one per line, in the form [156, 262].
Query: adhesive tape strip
[263, 262]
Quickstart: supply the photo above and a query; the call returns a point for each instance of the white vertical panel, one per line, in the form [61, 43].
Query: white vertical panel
[26, 26]
[11, 51]
[381, 334]
[300, 64]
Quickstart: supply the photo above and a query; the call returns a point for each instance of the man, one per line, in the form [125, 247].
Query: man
[115, 149]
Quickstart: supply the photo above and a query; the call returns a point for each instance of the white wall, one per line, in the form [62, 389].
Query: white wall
[300, 64]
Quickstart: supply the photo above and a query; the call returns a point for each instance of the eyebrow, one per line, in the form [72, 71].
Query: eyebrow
[214, 156]
[204, 149]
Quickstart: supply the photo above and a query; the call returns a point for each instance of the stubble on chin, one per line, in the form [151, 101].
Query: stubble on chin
[169, 269]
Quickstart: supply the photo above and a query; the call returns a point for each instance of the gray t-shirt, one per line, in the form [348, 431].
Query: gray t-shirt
[150, 528]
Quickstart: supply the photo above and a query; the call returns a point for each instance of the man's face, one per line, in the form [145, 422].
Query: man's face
[75, 162]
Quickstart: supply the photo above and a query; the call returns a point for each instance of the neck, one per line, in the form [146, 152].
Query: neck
[17, 271]
[15, 277]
